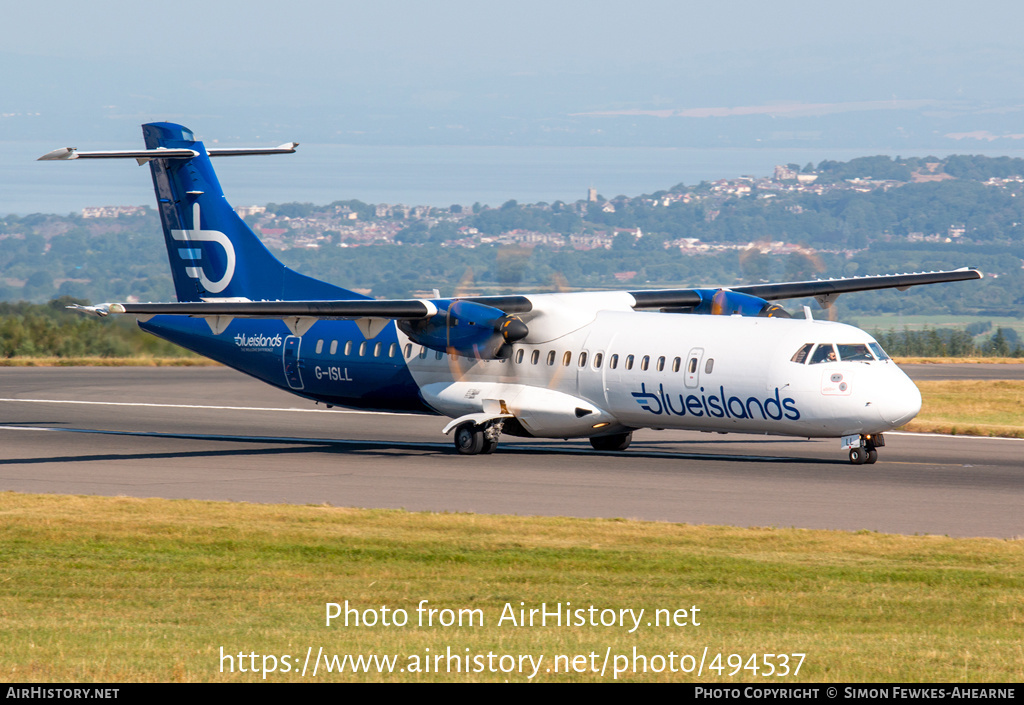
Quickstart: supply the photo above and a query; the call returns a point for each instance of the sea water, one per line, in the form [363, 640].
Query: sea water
[417, 175]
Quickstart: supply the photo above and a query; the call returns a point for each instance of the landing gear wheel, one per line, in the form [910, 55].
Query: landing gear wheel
[872, 456]
[469, 439]
[859, 456]
[616, 441]
[489, 447]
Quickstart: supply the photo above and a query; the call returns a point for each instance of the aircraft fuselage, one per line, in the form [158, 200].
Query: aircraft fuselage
[618, 371]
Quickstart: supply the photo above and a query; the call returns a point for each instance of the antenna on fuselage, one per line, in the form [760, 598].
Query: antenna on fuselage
[807, 313]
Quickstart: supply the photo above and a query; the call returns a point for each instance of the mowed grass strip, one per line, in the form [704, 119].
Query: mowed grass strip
[189, 360]
[121, 589]
[971, 408]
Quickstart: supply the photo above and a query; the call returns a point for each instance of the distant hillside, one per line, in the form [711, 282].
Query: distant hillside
[868, 215]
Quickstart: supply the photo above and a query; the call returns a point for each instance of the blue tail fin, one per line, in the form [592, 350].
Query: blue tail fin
[213, 252]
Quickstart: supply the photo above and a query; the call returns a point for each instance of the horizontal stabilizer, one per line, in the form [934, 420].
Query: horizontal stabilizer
[144, 155]
[140, 155]
[286, 148]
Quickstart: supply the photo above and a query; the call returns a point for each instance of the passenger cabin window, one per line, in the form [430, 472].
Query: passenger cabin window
[629, 362]
[392, 349]
[348, 347]
[613, 361]
[676, 362]
[598, 357]
[376, 350]
[645, 362]
[551, 357]
[566, 359]
[423, 352]
[583, 359]
[709, 365]
[661, 364]
[534, 357]
[438, 355]
[334, 347]
[800, 356]
[823, 353]
[408, 350]
[519, 356]
[857, 352]
[319, 346]
[362, 348]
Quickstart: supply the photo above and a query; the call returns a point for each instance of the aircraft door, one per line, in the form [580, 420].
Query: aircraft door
[292, 365]
[693, 362]
[592, 382]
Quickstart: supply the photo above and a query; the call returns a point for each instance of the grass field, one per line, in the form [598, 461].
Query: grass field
[971, 408]
[898, 322]
[120, 589]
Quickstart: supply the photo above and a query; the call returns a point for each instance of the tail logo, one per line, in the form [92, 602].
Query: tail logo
[194, 254]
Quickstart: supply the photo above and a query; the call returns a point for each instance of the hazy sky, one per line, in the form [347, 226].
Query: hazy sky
[790, 78]
[499, 72]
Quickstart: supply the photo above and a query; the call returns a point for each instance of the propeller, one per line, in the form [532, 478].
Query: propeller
[467, 328]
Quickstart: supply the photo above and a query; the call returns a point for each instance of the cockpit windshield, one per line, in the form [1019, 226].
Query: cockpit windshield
[823, 353]
[844, 352]
[855, 352]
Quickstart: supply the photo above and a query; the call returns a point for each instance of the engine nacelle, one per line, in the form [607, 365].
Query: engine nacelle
[467, 328]
[723, 302]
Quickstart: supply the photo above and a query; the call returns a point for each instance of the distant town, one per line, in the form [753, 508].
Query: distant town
[870, 215]
[356, 224]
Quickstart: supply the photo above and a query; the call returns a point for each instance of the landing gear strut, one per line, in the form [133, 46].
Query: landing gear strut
[473, 439]
[865, 453]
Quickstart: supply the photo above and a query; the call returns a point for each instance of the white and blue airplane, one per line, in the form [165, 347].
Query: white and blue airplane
[596, 365]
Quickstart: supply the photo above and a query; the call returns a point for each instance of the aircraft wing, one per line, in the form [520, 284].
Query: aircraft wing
[824, 290]
[369, 314]
[396, 309]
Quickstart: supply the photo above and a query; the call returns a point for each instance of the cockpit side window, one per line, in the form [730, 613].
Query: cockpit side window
[800, 356]
[877, 350]
[823, 353]
[856, 352]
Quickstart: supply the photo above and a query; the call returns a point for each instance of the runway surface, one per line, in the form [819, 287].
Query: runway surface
[212, 433]
[976, 370]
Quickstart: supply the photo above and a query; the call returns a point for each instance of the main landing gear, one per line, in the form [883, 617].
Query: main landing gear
[474, 439]
[616, 441]
[863, 451]
[479, 439]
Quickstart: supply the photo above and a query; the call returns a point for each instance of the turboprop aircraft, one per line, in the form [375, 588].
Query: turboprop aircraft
[594, 365]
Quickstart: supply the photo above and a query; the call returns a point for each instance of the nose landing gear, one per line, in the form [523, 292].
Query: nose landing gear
[863, 448]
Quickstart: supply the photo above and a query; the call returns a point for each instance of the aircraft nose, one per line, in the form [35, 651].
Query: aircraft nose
[898, 400]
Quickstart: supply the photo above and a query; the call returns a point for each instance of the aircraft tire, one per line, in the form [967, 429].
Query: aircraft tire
[858, 456]
[469, 440]
[489, 447]
[617, 441]
[872, 456]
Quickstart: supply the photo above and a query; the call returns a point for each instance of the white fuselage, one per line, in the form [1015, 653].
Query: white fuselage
[620, 369]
